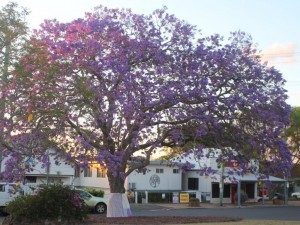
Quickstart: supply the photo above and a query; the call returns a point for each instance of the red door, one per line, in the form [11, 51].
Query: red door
[233, 193]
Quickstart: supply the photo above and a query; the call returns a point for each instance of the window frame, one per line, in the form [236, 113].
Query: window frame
[159, 170]
[88, 172]
[193, 183]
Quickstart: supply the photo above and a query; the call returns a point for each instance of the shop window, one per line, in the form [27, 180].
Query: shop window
[2, 187]
[77, 171]
[249, 189]
[216, 190]
[159, 170]
[175, 170]
[193, 184]
[30, 179]
[88, 172]
[101, 172]
[226, 192]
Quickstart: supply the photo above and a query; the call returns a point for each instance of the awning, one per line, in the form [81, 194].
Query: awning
[251, 178]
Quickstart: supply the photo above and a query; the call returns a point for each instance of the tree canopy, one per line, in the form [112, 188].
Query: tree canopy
[293, 134]
[13, 34]
[114, 83]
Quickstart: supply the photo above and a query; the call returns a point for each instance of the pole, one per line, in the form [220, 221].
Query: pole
[285, 192]
[48, 168]
[135, 197]
[263, 193]
[239, 193]
[146, 193]
[221, 184]
[221, 194]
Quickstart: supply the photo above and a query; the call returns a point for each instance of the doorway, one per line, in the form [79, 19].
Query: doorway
[233, 193]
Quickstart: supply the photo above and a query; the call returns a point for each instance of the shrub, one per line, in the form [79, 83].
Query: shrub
[53, 203]
[279, 196]
[194, 202]
[95, 192]
[244, 197]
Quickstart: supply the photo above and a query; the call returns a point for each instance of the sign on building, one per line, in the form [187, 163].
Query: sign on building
[184, 198]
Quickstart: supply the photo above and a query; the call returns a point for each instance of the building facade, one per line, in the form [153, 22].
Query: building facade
[159, 182]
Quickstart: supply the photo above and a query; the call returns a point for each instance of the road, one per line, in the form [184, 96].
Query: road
[282, 213]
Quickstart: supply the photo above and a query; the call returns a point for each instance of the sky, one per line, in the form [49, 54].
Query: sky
[273, 24]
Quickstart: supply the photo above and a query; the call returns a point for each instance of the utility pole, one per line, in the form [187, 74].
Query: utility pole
[239, 194]
[47, 167]
[221, 184]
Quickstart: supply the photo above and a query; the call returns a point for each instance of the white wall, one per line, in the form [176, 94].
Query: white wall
[204, 181]
[93, 181]
[168, 180]
[61, 172]
[62, 168]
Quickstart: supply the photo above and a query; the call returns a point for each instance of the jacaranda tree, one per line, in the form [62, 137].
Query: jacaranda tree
[114, 86]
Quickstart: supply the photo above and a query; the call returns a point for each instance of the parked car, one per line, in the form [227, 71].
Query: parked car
[8, 191]
[97, 204]
[296, 195]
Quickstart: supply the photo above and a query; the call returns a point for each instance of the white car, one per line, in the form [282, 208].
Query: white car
[296, 195]
[97, 204]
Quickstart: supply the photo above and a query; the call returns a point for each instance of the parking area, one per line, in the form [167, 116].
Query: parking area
[267, 203]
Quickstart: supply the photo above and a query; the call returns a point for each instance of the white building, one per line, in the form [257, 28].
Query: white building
[208, 187]
[159, 182]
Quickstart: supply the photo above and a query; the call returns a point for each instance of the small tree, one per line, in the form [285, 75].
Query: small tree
[293, 134]
[12, 37]
[243, 197]
[20, 139]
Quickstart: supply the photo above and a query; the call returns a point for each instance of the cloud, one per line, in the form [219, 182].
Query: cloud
[280, 54]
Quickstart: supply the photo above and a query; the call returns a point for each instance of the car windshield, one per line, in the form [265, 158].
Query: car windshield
[83, 194]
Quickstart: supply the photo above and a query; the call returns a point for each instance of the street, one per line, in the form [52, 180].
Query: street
[283, 213]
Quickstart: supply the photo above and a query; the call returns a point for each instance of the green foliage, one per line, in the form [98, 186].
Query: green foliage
[194, 202]
[53, 203]
[95, 192]
[293, 134]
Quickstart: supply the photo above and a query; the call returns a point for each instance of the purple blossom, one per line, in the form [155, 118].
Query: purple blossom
[114, 84]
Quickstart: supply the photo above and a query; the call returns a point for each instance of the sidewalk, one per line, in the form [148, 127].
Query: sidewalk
[212, 205]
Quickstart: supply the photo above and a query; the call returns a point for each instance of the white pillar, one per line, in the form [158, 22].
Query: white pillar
[146, 193]
[135, 197]
[118, 205]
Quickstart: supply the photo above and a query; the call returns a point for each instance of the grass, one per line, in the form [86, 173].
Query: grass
[244, 222]
[251, 222]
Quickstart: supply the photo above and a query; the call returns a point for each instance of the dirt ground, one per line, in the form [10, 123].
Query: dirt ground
[135, 220]
[95, 219]
[144, 220]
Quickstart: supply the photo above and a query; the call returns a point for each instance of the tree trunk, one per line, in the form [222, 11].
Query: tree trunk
[118, 204]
